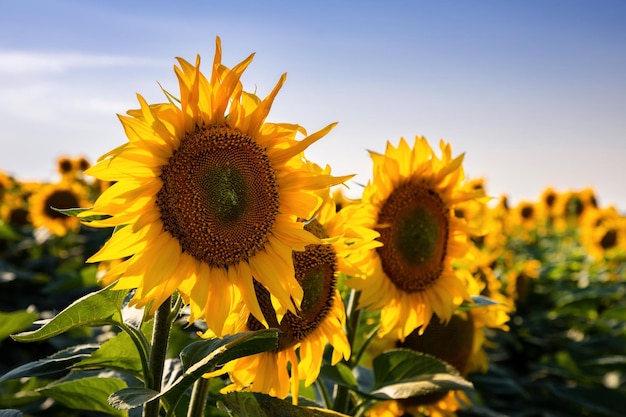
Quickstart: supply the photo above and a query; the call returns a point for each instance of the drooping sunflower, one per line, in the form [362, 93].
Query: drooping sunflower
[210, 193]
[453, 342]
[460, 342]
[410, 202]
[321, 318]
[61, 196]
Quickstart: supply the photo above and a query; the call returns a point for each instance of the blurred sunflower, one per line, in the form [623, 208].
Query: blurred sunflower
[548, 204]
[603, 233]
[7, 183]
[411, 202]
[523, 221]
[573, 207]
[15, 212]
[65, 167]
[60, 196]
[209, 198]
[321, 318]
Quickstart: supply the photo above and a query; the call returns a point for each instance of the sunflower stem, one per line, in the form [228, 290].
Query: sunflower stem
[197, 403]
[353, 314]
[158, 353]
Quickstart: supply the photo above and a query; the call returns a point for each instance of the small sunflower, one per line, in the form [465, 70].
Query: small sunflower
[411, 202]
[523, 221]
[15, 212]
[548, 203]
[573, 207]
[604, 233]
[210, 194]
[61, 196]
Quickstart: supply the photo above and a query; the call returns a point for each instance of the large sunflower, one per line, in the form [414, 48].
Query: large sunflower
[60, 196]
[411, 201]
[210, 194]
[321, 318]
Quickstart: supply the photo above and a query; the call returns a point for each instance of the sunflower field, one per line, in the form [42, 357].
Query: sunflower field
[207, 267]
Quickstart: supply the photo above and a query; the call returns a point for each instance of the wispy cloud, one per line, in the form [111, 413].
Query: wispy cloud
[28, 62]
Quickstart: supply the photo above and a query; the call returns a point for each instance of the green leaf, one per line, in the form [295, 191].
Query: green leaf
[15, 322]
[89, 394]
[478, 301]
[118, 353]
[403, 373]
[60, 361]
[132, 397]
[592, 401]
[74, 212]
[97, 308]
[254, 404]
[339, 374]
[199, 358]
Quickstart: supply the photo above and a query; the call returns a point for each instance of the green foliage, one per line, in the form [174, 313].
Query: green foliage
[14, 322]
[252, 404]
[403, 373]
[564, 353]
[95, 309]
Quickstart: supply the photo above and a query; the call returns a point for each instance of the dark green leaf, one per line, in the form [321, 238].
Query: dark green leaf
[86, 394]
[403, 373]
[97, 308]
[201, 357]
[339, 374]
[478, 301]
[592, 401]
[57, 362]
[253, 404]
[132, 397]
[118, 353]
[15, 321]
[74, 212]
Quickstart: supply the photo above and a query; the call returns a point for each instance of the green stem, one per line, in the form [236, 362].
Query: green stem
[323, 392]
[199, 394]
[158, 353]
[142, 346]
[353, 313]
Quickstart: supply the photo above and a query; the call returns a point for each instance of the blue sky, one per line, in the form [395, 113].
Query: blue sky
[534, 92]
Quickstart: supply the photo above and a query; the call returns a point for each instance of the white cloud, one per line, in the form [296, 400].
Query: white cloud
[26, 62]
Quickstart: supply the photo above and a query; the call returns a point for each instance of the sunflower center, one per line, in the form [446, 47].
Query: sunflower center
[527, 212]
[219, 196]
[451, 342]
[609, 239]
[315, 271]
[61, 199]
[414, 227]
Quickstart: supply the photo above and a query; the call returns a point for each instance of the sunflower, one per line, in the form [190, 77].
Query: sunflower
[15, 212]
[61, 196]
[523, 221]
[411, 202]
[548, 204]
[210, 199]
[573, 207]
[603, 233]
[7, 183]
